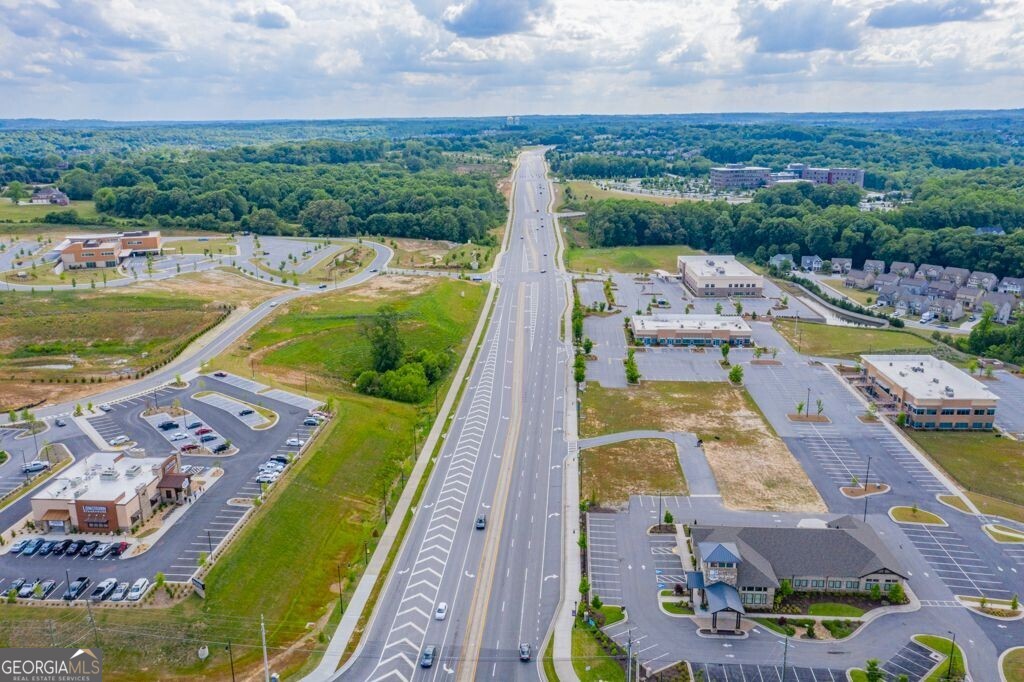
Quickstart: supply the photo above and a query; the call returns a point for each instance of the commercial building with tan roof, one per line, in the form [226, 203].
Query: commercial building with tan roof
[719, 276]
[690, 330]
[106, 250]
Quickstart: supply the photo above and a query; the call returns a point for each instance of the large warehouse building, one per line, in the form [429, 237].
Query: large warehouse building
[690, 330]
[718, 276]
[933, 393]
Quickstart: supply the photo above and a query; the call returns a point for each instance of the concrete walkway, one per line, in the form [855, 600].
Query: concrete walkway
[700, 480]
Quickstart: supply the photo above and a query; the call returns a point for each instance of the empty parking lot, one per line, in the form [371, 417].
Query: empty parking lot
[955, 563]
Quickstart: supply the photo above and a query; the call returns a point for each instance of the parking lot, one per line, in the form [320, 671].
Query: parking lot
[668, 568]
[241, 411]
[912, 660]
[210, 514]
[604, 558]
[955, 563]
[897, 451]
[651, 655]
[736, 672]
[1010, 389]
[835, 455]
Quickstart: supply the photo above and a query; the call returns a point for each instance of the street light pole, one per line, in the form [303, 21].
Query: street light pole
[866, 497]
[952, 651]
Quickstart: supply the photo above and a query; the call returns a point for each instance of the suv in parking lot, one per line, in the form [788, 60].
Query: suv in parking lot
[46, 547]
[310, 421]
[46, 588]
[88, 548]
[246, 412]
[168, 425]
[34, 466]
[103, 590]
[61, 547]
[76, 588]
[138, 589]
[73, 548]
[221, 448]
[207, 438]
[193, 425]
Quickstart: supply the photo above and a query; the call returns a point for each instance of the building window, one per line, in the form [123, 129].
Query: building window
[947, 410]
[962, 411]
[853, 584]
[97, 524]
[961, 425]
[799, 582]
[835, 584]
[977, 412]
[977, 425]
[945, 425]
[817, 583]
[991, 411]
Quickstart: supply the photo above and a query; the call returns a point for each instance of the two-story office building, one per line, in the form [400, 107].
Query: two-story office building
[718, 276]
[106, 250]
[933, 393]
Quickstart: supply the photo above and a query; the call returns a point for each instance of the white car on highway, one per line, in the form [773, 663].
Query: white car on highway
[442, 611]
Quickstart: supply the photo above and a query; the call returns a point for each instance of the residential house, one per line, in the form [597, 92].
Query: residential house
[957, 276]
[875, 266]
[1011, 285]
[946, 310]
[811, 263]
[902, 269]
[740, 568]
[983, 280]
[49, 195]
[913, 285]
[888, 294]
[781, 261]
[886, 279]
[841, 265]
[969, 296]
[929, 272]
[940, 288]
[859, 279]
[1002, 304]
[911, 304]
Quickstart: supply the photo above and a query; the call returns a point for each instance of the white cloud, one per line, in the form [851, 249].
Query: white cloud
[329, 58]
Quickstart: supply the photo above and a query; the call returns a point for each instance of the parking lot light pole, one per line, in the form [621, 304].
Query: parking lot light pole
[209, 542]
[952, 652]
[866, 496]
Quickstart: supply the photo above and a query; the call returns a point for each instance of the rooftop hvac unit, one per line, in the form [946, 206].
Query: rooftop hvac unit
[949, 391]
[935, 380]
[109, 474]
[133, 471]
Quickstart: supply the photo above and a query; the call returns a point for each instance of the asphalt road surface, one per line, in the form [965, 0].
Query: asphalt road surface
[501, 458]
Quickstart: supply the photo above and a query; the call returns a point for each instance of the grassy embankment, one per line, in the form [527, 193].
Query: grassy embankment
[10, 212]
[1013, 665]
[98, 332]
[626, 258]
[848, 342]
[989, 467]
[611, 473]
[752, 465]
[432, 254]
[864, 297]
[584, 190]
[286, 563]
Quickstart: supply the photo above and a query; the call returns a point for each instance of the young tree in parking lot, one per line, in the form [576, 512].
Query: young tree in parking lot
[873, 671]
[159, 579]
[596, 602]
[725, 353]
[800, 407]
[588, 345]
[821, 407]
[736, 374]
[668, 519]
[739, 307]
[718, 309]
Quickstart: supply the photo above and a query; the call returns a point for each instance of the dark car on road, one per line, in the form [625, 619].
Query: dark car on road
[428, 655]
[524, 651]
[76, 589]
[481, 522]
[60, 422]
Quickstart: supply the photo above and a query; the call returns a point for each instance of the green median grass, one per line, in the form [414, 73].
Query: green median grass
[943, 646]
[834, 609]
[848, 342]
[914, 515]
[983, 463]
[626, 258]
[1013, 665]
[590, 661]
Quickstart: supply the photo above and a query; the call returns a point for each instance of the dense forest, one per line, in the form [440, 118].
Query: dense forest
[803, 219]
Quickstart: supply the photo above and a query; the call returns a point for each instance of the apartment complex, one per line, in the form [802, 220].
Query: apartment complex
[741, 176]
[690, 330]
[717, 276]
[740, 568]
[933, 393]
[108, 492]
[106, 250]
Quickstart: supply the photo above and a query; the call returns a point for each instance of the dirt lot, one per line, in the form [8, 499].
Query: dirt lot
[384, 287]
[611, 473]
[222, 286]
[753, 466]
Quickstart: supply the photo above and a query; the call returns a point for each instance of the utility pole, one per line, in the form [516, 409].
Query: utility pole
[660, 517]
[209, 543]
[263, 636]
[807, 405]
[53, 639]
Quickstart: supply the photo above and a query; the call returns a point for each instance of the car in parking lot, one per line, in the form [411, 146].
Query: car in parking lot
[88, 548]
[28, 588]
[102, 549]
[32, 547]
[46, 547]
[428, 655]
[189, 447]
[168, 425]
[120, 440]
[221, 448]
[138, 589]
[60, 422]
[106, 407]
[120, 592]
[310, 421]
[203, 430]
[294, 442]
[34, 466]
[194, 425]
[15, 585]
[73, 548]
[246, 412]
[283, 459]
[61, 547]
[268, 477]
[207, 438]
[524, 651]
[119, 548]
[220, 375]
[76, 588]
[45, 588]
[103, 590]
[18, 546]
[180, 435]
[441, 611]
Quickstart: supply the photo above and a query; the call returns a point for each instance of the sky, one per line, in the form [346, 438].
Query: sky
[298, 59]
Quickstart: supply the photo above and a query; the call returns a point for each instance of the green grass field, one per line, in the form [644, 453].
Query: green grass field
[35, 213]
[223, 245]
[981, 462]
[834, 609]
[856, 294]
[626, 258]
[590, 661]
[584, 190]
[848, 342]
[611, 473]
[1013, 665]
